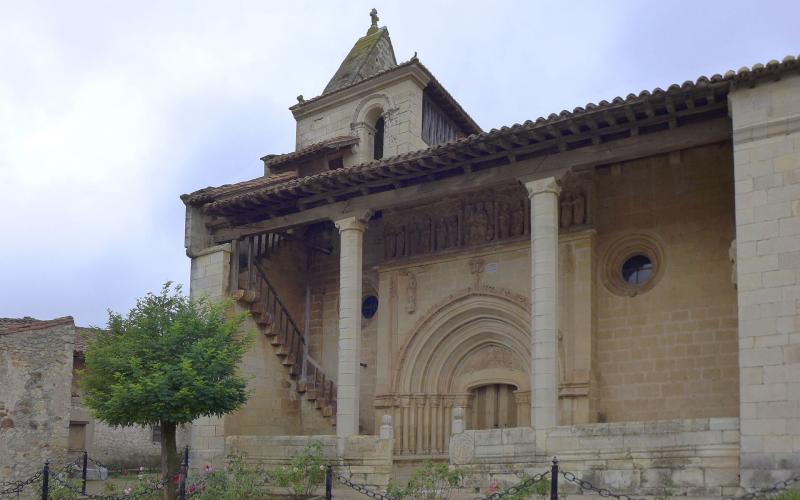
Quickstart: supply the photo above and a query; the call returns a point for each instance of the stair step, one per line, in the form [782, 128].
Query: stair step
[263, 310]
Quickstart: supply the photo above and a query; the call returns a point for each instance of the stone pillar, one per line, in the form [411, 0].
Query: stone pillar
[209, 278]
[523, 401]
[576, 325]
[544, 302]
[435, 423]
[351, 232]
[766, 157]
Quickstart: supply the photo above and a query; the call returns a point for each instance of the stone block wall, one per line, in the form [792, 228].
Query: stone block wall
[695, 457]
[35, 378]
[402, 105]
[766, 131]
[130, 447]
[368, 459]
[671, 351]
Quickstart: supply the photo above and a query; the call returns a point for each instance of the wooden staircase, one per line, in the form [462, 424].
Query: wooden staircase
[250, 286]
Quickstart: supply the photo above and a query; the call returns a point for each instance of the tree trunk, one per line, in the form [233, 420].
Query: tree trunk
[169, 460]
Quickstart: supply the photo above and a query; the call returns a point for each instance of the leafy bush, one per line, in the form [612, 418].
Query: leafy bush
[539, 490]
[304, 474]
[431, 482]
[240, 480]
[58, 491]
[788, 495]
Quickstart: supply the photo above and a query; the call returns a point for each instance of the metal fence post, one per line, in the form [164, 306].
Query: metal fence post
[329, 483]
[46, 481]
[83, 472]
[554, 480]
[184, 472]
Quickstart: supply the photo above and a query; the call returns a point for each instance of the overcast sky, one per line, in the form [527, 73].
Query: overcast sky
[110, 110]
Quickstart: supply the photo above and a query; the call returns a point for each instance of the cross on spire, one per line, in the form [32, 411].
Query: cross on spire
[373, 14]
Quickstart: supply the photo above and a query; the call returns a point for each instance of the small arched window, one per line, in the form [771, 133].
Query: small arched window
[377, 147]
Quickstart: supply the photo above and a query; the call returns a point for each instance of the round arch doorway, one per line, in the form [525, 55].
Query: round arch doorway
[493, 406]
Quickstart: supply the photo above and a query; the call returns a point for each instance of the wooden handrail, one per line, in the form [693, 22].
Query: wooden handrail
[284, 309]
[292, 337]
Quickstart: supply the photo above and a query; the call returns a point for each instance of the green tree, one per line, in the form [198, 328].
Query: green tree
[171, 360]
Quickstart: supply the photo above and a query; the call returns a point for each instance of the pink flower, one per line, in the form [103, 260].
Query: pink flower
[493, 486]
[126, 491]
[208, 469]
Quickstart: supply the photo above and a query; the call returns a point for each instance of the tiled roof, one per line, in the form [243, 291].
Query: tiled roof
[13, 325]
[16, 322]
[631, 110]
[83, 336]
[332, 144]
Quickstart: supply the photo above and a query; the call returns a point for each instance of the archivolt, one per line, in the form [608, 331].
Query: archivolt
[449, 333]
[381, 101]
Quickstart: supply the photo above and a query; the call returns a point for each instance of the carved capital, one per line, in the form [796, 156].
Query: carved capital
[354, 223]
[544, 185]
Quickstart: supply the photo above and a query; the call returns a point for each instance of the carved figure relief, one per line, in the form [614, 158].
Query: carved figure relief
[573, 202]
[572, 209]
[476, 268]
[475, 219]
[493, 356]
[479, 224]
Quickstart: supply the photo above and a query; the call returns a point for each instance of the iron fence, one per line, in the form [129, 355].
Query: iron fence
[62, 477]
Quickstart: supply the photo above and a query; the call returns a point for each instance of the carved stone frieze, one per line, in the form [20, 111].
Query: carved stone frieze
[491, 356]
[575, 201]
[476, 219]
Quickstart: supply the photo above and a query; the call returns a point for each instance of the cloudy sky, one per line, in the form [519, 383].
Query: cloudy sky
[110, 110]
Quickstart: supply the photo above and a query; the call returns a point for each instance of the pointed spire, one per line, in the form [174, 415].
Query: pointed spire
[371, 54]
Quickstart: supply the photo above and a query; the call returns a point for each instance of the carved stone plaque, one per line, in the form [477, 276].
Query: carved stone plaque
[462, 449]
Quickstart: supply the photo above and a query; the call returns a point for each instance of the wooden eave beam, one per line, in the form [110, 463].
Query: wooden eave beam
[410, 169]
[697, 134]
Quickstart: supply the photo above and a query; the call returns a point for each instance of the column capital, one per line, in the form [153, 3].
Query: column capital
[542, 185]
[354, 223]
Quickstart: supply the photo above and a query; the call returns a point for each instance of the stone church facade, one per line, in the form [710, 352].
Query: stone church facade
[616, 285]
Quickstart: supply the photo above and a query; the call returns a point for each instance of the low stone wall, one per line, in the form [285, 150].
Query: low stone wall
[130, 447]
[368, 458]
[696, 457]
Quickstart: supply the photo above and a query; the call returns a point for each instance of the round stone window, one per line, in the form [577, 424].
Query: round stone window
[633, 264]
[637, 270]
[369, 306]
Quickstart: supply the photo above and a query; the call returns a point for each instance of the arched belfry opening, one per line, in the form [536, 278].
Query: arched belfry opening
[378, 137]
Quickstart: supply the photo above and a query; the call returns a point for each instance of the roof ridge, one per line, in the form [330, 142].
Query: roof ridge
[755, 72]
[37, 325]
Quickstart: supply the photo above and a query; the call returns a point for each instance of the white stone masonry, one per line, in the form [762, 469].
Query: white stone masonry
[544, 300]
[351, 230]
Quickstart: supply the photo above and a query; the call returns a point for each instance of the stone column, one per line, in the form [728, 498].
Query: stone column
[351, 232]
[544, 302]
